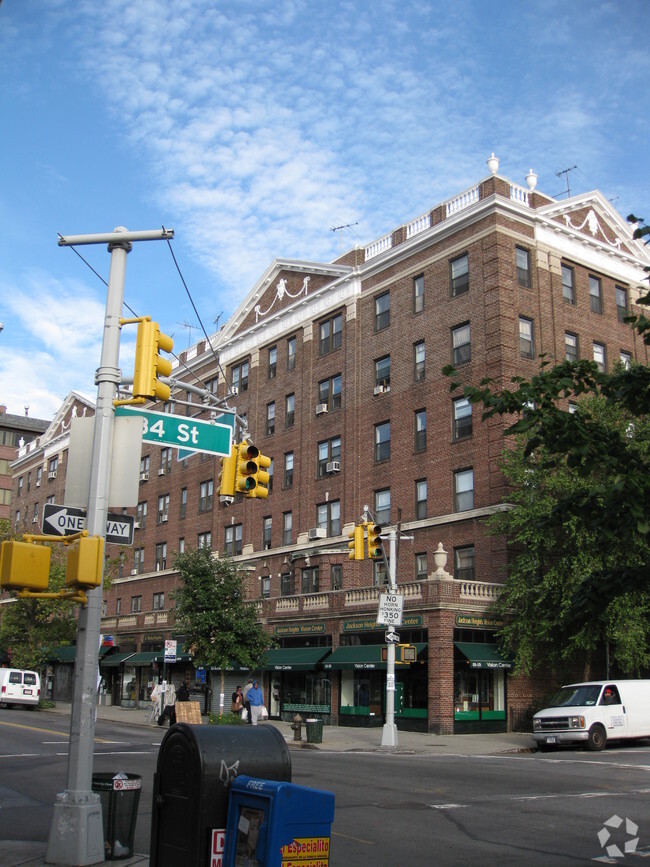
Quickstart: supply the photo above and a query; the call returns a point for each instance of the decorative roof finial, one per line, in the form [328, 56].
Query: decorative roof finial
[531, 180]
[493, 164]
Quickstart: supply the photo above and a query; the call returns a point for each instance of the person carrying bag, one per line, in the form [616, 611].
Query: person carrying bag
[237, 701]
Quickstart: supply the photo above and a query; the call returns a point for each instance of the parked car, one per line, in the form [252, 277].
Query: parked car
[594, 713]
[19, 687]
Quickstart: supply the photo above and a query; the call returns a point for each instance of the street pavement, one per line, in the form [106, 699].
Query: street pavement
[335, 738]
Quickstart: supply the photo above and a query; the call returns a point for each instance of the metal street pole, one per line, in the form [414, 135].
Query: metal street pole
[76, 833]
[389, 737]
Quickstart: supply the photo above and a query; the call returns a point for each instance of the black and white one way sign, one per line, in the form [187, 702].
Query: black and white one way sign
[67, 520]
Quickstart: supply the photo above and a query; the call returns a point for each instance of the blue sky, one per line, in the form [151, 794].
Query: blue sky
[254, 128]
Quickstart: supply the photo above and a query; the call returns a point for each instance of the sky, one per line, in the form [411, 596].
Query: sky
[254, 129]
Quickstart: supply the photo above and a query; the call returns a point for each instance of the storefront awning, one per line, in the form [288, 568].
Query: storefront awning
[483, 655]
[293, 658]
[366, 656]
[68, 653]
[116, 659]
[148, 657]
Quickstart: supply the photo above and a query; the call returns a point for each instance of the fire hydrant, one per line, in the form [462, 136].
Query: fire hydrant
[296, 726]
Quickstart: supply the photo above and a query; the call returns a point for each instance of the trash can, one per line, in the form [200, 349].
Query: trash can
[314, 731]
[119, 794]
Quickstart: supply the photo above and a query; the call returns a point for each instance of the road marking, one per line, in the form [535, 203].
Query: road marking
[45, 731]
[20, 756]
[447, 806]
[356, 839]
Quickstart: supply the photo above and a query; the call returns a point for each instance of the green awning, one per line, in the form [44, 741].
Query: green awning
[482, 655]
[148, 657]
[116, 659]
[293, 658]
[63, 653]
[365, 656]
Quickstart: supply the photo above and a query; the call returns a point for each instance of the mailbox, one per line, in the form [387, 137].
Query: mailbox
[276, 823]
[195, 771]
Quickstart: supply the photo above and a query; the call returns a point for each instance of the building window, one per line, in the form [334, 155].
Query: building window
[309, 580]
[233, 540]
[328, 450]
[459, 275]
[267, 527]
[161, 556]
[287, 527]
[379, 573]
[289, 410]
[382, 506]
[212, 385]
[420, 499]
[291, 353]
[144, 468]
[382, 441]
[118, 606]
[20, 486]
[52, 467]
[266, 586]
[523, 267]
[270, 418]
[35, 514]
[600, 356]
[138, 560]
[382, 311]
[158, 601]
[462, 411]
[163, 509]
[625, 358]
[464, 563]
[463, 490]
[419, 359]
[205, 495]
[328, 517]
[418, 294]
[621, 303]
[570, 346]
[270, 472]
[526, 338]
[421, 567]
[273, 362]
[329, 392]
[288, 470]
[239, 376]
[165, 461]
[568, 285]
[136, 604]
[331, 334]
[382, 371]
[141, 515]
[336, 577]
[595, 294]
[460, 344]
[420, 430]
[181, 545]
[39, 476]
[204, 540]
[286, 583]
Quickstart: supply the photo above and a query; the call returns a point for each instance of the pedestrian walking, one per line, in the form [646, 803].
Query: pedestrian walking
[255, 697]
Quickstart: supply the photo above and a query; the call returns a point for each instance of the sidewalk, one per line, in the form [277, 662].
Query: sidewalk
[335, 738]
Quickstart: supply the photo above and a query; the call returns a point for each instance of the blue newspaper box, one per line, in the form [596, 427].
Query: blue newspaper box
[278, 824]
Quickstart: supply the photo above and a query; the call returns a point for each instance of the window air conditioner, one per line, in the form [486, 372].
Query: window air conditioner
[321, 408]
[35, 520]
[134, 571]
[234, 391]
[317, 533]
[379, 389]
[333, 467]
[136, 525]
[161, 471]
[38, 483]
[52, 474]
[144, 477]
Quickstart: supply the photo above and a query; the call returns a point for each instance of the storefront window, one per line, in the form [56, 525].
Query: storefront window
[478, 694]
[308, 691]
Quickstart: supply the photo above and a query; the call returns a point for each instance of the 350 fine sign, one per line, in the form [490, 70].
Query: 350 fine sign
[391, 607]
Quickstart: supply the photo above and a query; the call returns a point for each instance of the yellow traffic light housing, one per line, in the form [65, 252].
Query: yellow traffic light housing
[375, 547]
[85, 562]
[251, 476]
[24, 566]
[228, 473]
[149, 365]
[356, 543]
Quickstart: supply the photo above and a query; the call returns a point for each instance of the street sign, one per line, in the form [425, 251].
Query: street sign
[67, 520]
[179, 431]
[391, 606]
[170, 650]
[392, 637]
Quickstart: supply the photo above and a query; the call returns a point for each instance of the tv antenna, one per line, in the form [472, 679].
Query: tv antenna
[189, 327]
[566, 172]
[340, 229]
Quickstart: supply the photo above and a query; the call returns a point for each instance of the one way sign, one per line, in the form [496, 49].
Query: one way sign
[67, 520]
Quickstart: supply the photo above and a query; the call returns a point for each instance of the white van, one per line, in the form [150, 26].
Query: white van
[594, 713]
[19, 687]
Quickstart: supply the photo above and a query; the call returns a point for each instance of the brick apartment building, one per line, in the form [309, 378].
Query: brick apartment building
[15, 430]
[336, 369]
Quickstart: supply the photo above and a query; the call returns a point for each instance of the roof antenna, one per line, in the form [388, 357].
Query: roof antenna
[339, 229]
[566, 172]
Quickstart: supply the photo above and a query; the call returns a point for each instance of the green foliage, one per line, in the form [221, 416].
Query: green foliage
[226, 719]
[212, 612]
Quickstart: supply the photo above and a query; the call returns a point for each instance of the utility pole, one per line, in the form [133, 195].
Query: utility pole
[389, 737]
[76, 833]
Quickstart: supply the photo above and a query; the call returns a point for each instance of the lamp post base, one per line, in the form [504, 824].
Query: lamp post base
[77, 830]
[389, 735]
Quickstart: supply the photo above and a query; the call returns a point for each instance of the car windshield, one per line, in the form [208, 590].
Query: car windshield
[576, 696]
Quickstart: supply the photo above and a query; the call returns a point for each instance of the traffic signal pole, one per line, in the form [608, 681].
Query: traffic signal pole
[389, 737]
[76, 833]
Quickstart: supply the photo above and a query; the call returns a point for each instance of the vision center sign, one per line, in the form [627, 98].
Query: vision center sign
[179, 431]
[67, 520]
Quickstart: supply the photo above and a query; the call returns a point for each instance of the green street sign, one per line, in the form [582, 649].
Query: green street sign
[179, 431]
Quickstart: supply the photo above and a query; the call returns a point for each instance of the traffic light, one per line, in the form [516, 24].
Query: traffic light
[24, 566]
[375, 548]
[251, 477]
[149, 365]
[356, 543]
[228, 473]
[85, 562]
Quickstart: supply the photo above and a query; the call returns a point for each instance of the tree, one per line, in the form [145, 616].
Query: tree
[211, 610]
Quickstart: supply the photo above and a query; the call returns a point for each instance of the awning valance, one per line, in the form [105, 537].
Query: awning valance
[365, 656]
[293, 658]
[482, 655]
[116, 659]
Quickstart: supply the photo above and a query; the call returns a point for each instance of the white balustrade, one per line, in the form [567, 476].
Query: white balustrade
[519, 194]
[463, 200]
[418, 225]
[379, 246]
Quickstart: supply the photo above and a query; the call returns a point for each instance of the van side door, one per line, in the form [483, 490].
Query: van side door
[614, 714]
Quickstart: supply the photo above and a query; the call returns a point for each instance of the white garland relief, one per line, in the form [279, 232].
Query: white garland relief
[280, 291]
[591, 222]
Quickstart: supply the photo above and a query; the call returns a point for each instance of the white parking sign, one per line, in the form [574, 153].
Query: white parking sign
[391, 606]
